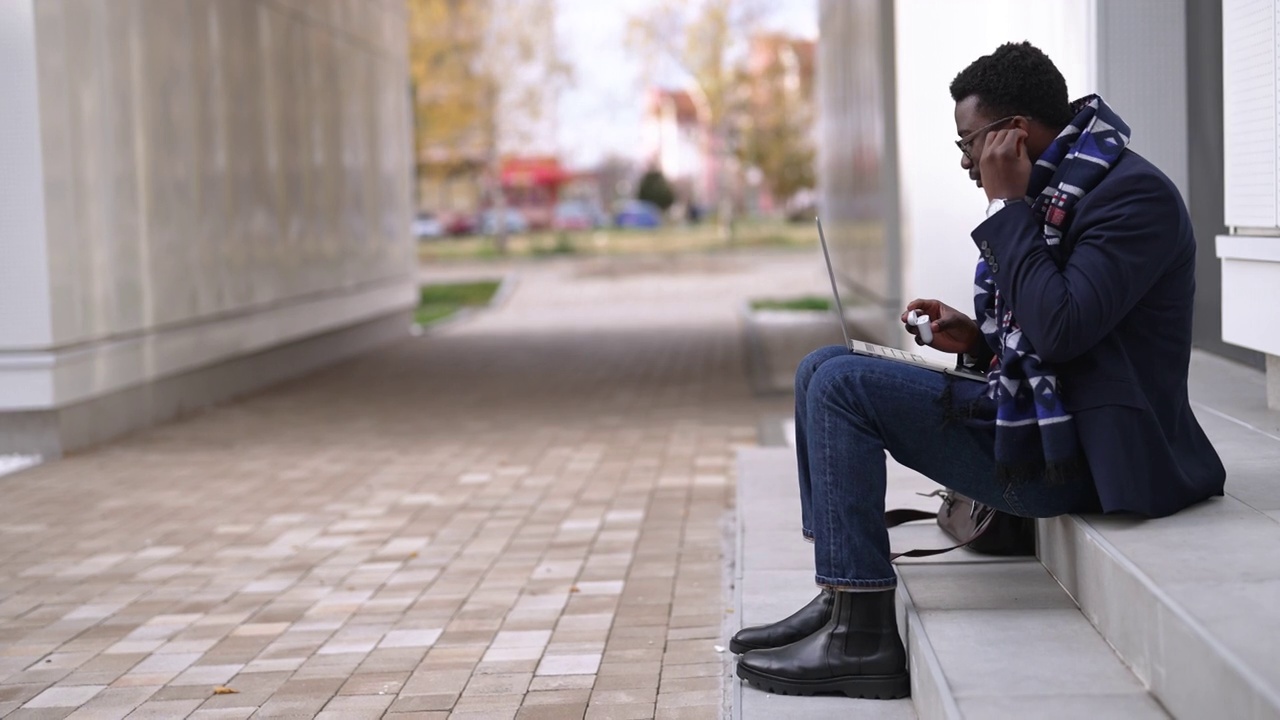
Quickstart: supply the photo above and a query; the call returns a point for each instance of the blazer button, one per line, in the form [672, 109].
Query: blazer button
[994, 267]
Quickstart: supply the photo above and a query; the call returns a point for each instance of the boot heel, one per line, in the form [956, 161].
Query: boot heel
[877, 687]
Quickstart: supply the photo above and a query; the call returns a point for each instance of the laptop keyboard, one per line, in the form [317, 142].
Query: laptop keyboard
[894, 352]
[889, 352]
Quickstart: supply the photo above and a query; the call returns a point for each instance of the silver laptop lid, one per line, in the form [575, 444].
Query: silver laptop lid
[835, 292]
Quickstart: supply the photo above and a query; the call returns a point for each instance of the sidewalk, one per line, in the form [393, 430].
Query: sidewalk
[518, 515]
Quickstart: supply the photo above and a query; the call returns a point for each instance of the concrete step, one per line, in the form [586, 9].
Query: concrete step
[1192, 602]
[1002, 640]
[988, 637]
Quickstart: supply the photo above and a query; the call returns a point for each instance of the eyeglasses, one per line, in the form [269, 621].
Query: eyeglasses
[966, 143]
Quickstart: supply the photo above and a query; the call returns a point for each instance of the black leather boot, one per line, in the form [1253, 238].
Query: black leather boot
[858, 653]
[800, 625]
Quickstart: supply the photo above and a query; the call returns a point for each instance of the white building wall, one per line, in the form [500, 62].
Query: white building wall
[219, 177]
[1249, 112]
[939, 204]
[1251, 252]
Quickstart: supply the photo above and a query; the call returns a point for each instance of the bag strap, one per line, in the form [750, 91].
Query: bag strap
[927, 552]
[894, 518]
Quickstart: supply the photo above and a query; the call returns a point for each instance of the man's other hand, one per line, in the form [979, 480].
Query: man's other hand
[953, 331]
[1005, 165]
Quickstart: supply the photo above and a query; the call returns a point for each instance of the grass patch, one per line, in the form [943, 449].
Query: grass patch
[800, 303]
[437, 302]
[564, 245]
[612, 241]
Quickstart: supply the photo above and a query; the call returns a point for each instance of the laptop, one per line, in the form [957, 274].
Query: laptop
[861, 347]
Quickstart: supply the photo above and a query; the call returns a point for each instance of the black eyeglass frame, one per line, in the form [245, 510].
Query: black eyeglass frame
[966, 143]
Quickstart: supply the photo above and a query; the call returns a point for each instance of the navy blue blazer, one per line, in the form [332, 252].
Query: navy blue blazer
[1115, 321]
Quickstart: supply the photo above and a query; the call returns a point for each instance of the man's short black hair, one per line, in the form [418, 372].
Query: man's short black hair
[1016, 79]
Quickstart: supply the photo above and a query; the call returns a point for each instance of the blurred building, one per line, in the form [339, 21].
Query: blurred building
[676, 140]
[531, 185]
[795, 56]
[199, 198]
[772, 94]
[452, 180]
[899, 209]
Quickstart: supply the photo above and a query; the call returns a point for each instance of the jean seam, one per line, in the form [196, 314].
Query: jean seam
[828, 491]
[848, 582]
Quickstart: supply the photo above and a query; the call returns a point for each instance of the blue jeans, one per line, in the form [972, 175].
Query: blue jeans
[850, 409]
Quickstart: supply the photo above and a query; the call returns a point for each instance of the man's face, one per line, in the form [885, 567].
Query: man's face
[973, 126]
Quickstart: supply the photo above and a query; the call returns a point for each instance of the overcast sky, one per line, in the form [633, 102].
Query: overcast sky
[599, 114]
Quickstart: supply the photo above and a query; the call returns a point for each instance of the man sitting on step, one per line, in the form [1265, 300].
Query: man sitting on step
[1083, 303]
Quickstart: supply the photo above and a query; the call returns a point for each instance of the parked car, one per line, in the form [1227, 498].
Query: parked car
[577, 215]
[513, 221]
[637, 214]
[426, 226]
[460, 224]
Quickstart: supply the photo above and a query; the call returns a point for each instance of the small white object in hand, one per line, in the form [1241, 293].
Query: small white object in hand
[921, 323]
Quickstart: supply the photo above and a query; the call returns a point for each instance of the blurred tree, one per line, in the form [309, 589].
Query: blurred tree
[654, 188]
[522, 62]
[487, 76]
[452, 107]
[774, 112]
[700, 40]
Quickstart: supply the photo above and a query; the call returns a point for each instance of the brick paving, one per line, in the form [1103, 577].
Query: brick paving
[520, 515]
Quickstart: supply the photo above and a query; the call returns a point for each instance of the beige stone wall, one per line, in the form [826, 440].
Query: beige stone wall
[205, 157]
[214, 178]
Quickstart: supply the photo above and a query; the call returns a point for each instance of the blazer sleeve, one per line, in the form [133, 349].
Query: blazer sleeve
[1125, 241]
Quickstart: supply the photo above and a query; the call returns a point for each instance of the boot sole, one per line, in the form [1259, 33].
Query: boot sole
[875, 687]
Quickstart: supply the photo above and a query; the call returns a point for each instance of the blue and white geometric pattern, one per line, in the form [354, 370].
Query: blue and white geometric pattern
[1033, 429]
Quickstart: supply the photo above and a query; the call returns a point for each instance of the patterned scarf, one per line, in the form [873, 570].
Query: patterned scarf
[1034, 434]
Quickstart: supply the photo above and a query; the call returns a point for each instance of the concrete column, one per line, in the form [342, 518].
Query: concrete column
[1142, 73]
[25, 317]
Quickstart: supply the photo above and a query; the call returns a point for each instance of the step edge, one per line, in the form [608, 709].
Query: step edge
[931, 693]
